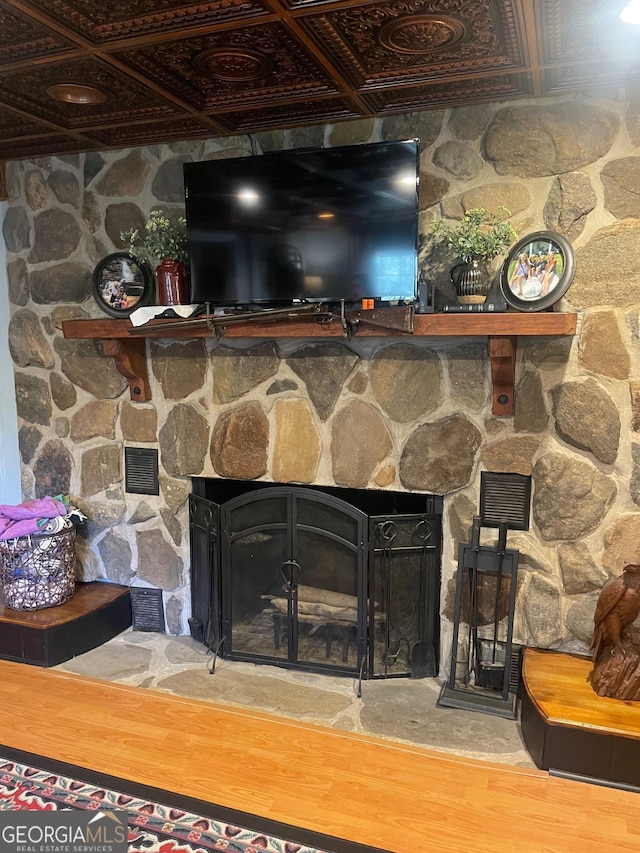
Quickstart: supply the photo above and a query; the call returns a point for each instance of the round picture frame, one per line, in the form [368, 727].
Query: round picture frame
[121, 284]
[537, 272]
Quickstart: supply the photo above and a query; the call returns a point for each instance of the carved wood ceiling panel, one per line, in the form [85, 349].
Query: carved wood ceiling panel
[79, 75]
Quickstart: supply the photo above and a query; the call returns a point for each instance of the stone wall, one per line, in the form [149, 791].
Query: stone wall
[378, 413]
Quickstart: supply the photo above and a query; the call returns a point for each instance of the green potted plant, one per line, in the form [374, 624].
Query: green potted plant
[479, 237]
[164, 246]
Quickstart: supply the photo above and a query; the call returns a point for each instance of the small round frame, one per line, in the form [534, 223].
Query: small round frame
[537, 272]
[121, 284]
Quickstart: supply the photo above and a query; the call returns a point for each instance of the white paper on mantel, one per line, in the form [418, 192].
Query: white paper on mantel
[142, 315]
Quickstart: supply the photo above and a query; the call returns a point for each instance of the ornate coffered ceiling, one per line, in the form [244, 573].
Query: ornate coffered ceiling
[79, 75]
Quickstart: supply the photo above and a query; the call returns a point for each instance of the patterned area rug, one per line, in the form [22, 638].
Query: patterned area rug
[153, 827]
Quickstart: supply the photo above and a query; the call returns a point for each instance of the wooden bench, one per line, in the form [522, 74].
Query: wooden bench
[569, 730]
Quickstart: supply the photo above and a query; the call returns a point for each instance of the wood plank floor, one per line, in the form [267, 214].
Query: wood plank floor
[397, 797]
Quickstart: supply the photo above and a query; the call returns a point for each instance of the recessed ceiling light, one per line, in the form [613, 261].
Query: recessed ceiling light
[76, 93]
[631, 12]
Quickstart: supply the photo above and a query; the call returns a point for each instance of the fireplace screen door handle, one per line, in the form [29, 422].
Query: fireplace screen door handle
[290, 571]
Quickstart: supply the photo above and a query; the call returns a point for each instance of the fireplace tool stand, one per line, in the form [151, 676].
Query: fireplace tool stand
[480, 677]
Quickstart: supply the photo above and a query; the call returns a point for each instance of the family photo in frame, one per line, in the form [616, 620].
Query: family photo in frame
[121, 284]
[537, 271]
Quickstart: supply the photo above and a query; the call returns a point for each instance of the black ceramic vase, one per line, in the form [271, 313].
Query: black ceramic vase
[472, 281]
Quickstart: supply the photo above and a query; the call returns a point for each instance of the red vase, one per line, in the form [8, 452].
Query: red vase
[171, 283]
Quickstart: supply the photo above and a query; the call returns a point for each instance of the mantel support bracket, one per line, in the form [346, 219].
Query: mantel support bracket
[502, 353]
[131, 362]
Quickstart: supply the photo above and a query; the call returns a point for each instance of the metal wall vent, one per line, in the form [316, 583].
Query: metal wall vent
[147, 609]
[505, 497]
[515, 672]
[141, 471]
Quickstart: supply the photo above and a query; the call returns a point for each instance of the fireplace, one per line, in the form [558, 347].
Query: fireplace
[315, 578]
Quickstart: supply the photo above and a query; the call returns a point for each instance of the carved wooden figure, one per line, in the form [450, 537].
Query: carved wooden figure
[615, 643]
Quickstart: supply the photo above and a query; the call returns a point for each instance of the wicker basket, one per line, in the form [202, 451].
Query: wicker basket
[38, 571]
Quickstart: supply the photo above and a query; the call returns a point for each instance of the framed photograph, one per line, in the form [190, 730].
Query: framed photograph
[537, 272]
[121, 284]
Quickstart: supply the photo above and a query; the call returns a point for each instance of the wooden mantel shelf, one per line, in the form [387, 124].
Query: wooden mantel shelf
[126, 343]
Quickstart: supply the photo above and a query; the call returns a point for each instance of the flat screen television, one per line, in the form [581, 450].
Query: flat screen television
[309, 225]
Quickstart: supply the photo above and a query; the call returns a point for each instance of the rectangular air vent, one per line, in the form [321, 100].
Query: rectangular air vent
[505, 497]
[141, 471]
[147, 609]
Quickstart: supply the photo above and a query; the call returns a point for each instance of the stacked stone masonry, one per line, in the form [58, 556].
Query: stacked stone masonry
[374, 413]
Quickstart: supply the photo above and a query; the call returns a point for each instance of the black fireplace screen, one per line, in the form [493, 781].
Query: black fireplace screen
[404, 583]
[302, 578]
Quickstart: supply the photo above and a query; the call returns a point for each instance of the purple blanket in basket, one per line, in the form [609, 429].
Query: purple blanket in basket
[28, 517]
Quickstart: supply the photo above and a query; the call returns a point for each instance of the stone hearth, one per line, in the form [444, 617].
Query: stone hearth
[402, 710]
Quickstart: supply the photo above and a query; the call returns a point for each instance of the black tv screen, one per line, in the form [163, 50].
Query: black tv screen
[319, 225]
